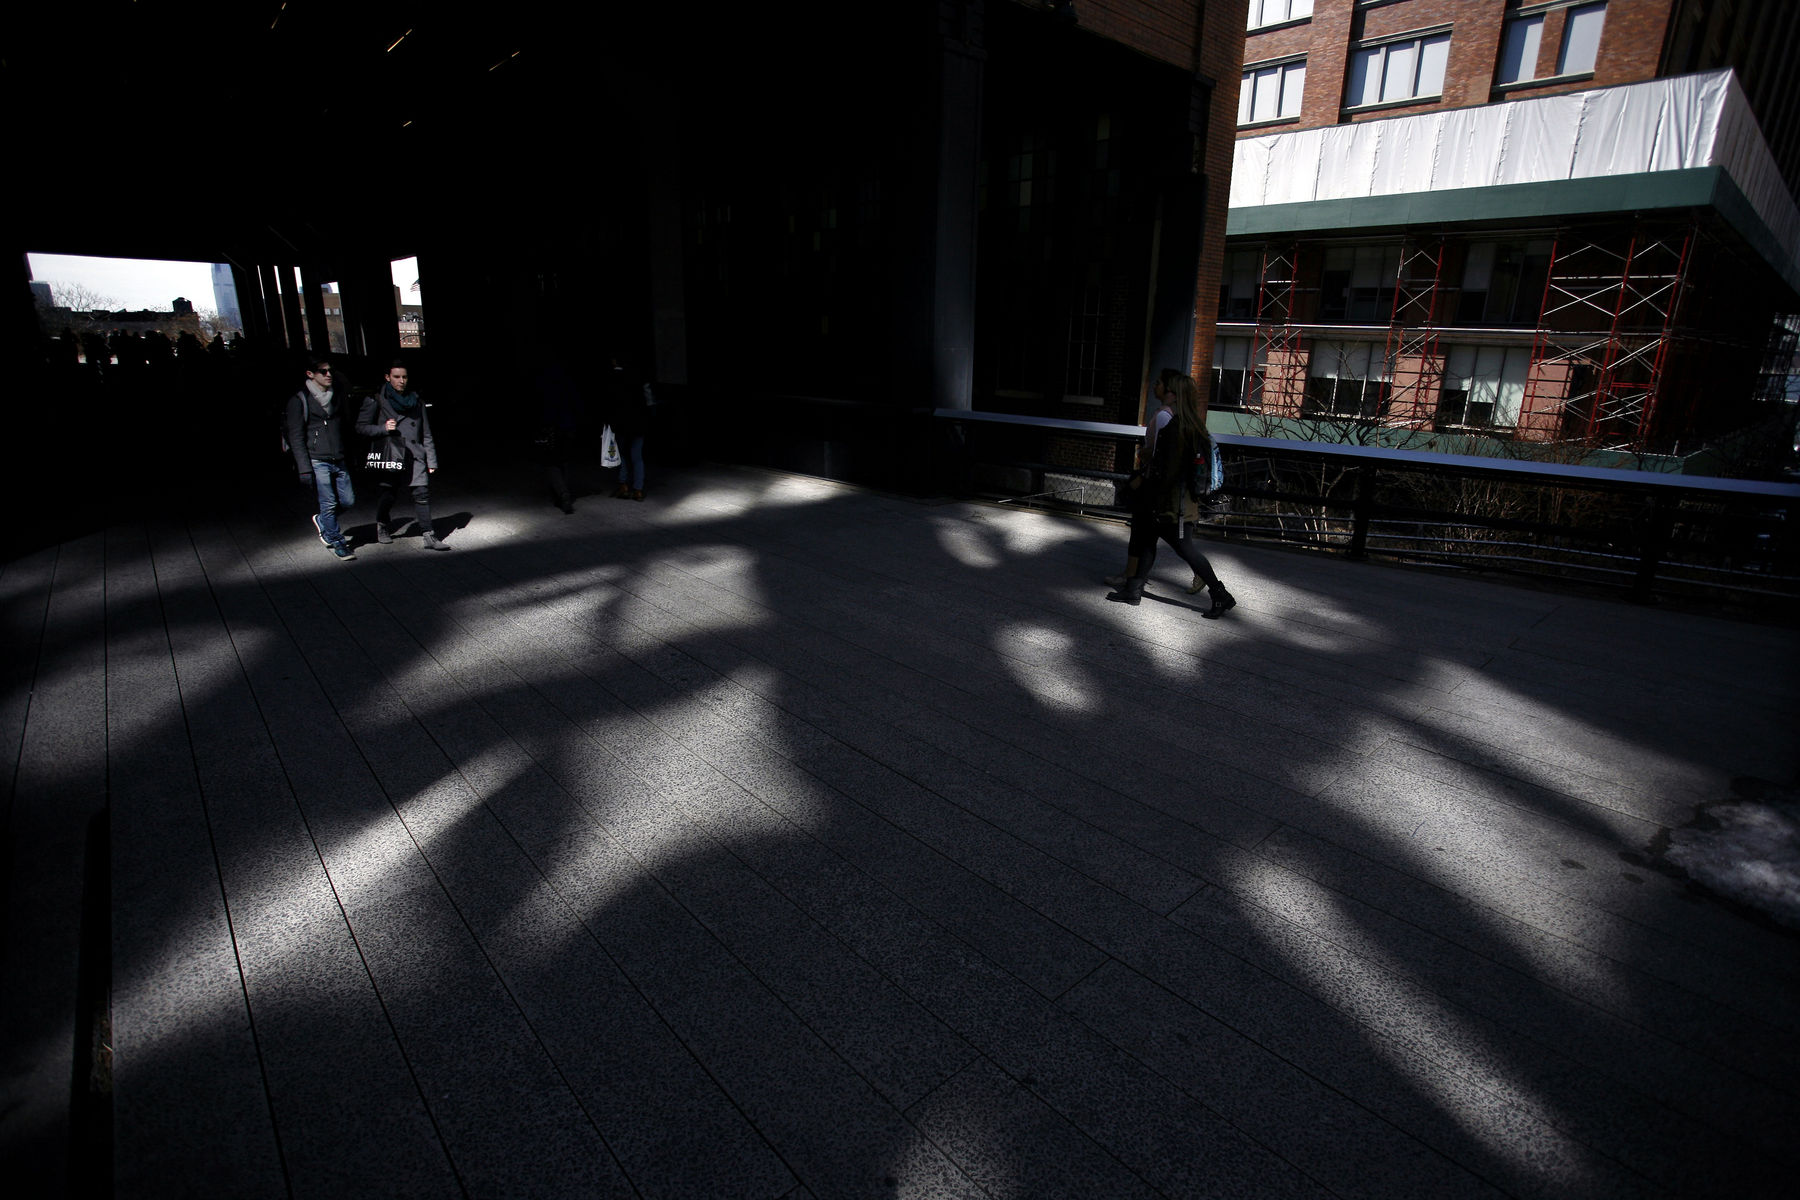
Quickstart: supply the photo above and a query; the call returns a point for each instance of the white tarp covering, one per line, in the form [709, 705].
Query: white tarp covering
[1469, 150]
[1346, 164]
[1689, 121]
[1540, 140]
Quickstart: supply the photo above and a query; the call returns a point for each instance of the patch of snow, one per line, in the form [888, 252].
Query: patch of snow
[1752, 856]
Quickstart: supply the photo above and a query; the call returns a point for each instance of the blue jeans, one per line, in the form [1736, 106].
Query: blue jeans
[631, 461]
[333, 484]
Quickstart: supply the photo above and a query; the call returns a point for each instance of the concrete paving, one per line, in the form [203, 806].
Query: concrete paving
[776, 838]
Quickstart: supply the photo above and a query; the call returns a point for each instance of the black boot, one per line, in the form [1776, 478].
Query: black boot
[1221, 601]
[1132, 592]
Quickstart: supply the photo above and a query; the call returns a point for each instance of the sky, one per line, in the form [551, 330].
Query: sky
[154, 283]
[132, 282]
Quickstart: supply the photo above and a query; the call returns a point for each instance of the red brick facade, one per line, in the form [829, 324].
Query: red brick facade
[1163, 29]
[1630, 50]
[1221, 52]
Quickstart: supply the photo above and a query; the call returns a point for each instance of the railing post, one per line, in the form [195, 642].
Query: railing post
[1360, 511]
[1655, 544]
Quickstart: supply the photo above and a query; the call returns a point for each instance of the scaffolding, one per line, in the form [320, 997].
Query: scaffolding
[1603, 335]
[1415, 365]
[1278, 334]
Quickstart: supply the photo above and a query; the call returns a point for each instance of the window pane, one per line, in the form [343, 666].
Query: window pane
[1246, 90]
[1343, 360]
[1581, 39]
[1365, 77]
[1459, 364]
[1432, 59]
[1518, 54]
[1266, 104]
[1324, 363]
[1369, 261]
[1512, 386]
[1292, 84]
[1397, 79]
[1300, 8]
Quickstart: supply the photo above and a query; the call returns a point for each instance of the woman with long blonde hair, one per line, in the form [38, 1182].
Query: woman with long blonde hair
[1164, 505]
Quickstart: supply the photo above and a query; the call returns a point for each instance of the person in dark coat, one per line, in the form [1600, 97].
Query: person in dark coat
[397, 416]
[1165, 505]
[628, 403]
[563, 422]
[314, 427]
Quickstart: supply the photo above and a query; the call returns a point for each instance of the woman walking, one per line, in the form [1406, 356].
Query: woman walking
[1164, 505]
[1165, 412]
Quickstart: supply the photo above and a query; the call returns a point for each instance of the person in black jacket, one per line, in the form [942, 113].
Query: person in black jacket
[397, 417]
[1164, 505]
[628, 404]
[315, 437]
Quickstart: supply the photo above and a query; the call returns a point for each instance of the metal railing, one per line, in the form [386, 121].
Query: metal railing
[1646, 533]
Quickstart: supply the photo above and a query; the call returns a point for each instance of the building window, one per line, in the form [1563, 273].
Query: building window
[1347, 379]
[1581, 40]
[1484, 387]
[1271, 93]
[1358, 283]
[1402, 70]
[1277, 12]
[1238, 285]
[1081, 374]
[1231, 373]
[1503, 283]
[1519, 50]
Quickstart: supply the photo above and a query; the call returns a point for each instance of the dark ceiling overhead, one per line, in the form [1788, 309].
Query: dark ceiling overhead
[272, 131]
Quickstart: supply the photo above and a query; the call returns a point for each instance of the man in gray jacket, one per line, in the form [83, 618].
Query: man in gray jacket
[315, 436]
[395, 418]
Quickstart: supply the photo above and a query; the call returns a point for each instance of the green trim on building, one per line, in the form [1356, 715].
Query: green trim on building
[1513, 203]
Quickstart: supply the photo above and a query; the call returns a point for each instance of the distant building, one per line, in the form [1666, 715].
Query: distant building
[334, 319]
[225, 297]
[1509, 221]
[411, 314]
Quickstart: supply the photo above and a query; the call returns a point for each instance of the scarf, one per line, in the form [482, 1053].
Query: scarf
[403, 404]
[322, 395]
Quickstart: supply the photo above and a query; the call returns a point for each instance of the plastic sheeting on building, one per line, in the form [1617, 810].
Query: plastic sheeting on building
[1672, 124]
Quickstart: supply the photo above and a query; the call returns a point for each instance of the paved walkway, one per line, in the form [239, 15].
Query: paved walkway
[773, 838]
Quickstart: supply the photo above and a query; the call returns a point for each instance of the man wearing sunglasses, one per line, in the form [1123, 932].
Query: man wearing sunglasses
[315, 437]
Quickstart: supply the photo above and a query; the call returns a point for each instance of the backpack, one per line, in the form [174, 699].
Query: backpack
[1208, 477]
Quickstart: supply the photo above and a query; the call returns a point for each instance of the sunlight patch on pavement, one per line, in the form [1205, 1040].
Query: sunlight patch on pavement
[720, 503]
[1466, 1070]
[919, 1170]
[969, 545]
[1044, 663]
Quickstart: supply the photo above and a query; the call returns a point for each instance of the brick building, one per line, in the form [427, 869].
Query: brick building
[1549, 222]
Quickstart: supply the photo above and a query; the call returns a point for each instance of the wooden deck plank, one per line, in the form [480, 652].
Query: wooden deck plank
[59, 787]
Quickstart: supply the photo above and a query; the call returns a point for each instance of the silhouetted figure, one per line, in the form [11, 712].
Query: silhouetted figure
[628, 403]
[157, 349]
[562, 422]
[66, 352]
[1163, 414]
[95, 349]
[1165, 505]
